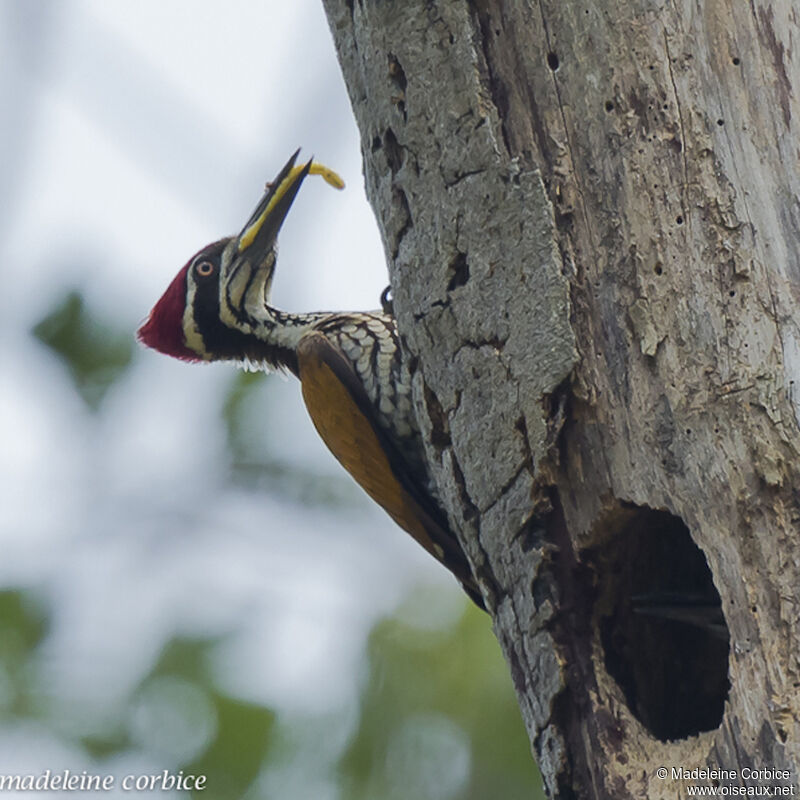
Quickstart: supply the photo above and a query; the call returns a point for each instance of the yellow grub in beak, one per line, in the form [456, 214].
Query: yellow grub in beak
[329, 176]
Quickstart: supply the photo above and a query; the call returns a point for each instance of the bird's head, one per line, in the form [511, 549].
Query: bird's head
[207, 312]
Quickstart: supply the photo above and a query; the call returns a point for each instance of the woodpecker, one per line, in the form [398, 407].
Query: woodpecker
[354, 375]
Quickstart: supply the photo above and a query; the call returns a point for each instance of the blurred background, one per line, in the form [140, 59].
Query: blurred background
[189, 580]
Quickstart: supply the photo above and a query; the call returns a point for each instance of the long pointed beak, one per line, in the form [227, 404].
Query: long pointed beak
[250, 256]
[259, 234]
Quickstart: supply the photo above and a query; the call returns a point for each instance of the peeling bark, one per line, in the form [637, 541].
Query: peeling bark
[591, 218]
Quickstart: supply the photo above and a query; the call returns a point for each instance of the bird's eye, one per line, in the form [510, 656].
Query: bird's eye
[204, 269]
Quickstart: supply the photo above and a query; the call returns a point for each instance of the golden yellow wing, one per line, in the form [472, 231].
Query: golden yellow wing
[345, 419]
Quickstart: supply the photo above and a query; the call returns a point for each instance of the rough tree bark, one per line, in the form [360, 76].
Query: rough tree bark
[591, 219]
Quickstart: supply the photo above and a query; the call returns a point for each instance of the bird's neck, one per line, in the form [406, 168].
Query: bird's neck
[276, 335]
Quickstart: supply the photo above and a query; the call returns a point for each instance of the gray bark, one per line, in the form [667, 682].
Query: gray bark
[591, 220]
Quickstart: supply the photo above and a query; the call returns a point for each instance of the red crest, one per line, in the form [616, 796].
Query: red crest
[163, 329]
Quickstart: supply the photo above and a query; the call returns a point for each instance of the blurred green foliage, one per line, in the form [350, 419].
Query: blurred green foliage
[254, 465]
[23, 626]
[95, 352]
[243, 387]
[437, 718]
[239, 743]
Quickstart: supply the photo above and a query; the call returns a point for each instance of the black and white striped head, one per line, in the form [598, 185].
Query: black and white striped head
[205, 313]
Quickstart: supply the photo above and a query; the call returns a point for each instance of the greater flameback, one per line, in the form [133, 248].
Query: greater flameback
[354, 375]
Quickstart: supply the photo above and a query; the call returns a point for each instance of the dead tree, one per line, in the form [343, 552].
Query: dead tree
[590, 213]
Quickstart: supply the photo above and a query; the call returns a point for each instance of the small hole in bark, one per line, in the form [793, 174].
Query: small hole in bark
[396, 73]
[720, 122]
[679, 220]
[736, 61]
[394, 152]
[552, 61]
[658, 269]
[609, 106]
[458, 272]
[663, 633]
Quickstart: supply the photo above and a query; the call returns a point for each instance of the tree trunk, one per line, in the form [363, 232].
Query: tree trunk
[591, 219]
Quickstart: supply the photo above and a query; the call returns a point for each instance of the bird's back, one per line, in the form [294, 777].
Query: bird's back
[370, 343]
